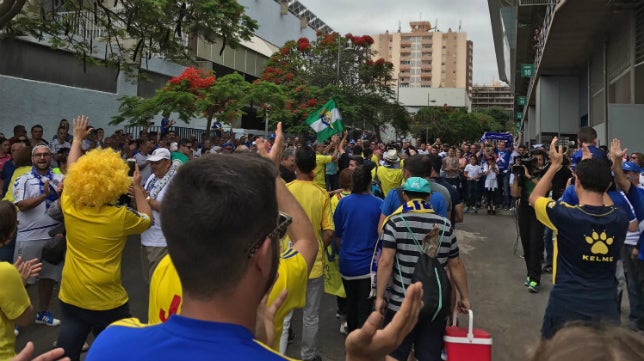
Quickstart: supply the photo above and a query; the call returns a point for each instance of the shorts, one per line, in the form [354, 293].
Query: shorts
[33, 249]
[426, 338]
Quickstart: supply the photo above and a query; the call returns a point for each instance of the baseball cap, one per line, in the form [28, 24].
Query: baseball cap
[158, 154]
[631, 167]
[391, 156]
[417, 185]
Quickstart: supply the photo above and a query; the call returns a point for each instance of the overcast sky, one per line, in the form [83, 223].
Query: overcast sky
[375, 16]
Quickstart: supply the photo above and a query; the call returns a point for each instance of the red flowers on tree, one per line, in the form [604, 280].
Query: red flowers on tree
[195, 78]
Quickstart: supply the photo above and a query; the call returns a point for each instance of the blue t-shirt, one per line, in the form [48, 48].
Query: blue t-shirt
[179, 338]
[502, 159]
[356, 224]
[596, 152]
[587, 247]
[392, 202]
[570, 197]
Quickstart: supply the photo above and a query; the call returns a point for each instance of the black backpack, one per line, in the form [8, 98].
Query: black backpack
[428, 270]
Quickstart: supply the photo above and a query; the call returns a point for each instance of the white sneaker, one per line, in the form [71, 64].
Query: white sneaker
[343, 328]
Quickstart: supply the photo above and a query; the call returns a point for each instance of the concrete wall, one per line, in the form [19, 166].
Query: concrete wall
[415, 98]
[558, 104]
[625, 123]
[274, 27]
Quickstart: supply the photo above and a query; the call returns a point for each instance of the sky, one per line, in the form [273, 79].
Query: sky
[361, 17]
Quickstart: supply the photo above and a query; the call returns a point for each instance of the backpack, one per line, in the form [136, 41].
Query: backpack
[428, 270]
[376, 186]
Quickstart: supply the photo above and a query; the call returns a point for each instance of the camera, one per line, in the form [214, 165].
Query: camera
[527, 162]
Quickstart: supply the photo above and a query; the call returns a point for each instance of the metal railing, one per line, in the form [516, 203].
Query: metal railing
[82, 23]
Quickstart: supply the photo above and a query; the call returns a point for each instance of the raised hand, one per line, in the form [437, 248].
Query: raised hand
[80, 127]
[372, 343]
[616, 151]
[556, 155]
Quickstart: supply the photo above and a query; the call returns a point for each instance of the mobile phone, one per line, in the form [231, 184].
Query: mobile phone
[131, 162]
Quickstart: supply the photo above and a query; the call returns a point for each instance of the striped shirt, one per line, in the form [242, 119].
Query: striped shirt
[396, 235]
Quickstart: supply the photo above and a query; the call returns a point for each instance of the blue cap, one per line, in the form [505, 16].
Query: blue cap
[630, 167]
[271, 136]
[228, 144]
[417, 185]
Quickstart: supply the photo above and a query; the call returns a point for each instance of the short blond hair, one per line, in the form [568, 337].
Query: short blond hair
[98, 178]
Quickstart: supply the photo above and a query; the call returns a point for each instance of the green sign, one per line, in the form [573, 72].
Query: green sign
[521, 100]
[527, 70]
[519, 115]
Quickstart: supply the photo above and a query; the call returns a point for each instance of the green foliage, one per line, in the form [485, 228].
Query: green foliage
[132, 30]
[196, 93]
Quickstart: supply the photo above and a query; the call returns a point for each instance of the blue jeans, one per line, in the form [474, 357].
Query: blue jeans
[77, 323]
[503, 180]
[631, 270]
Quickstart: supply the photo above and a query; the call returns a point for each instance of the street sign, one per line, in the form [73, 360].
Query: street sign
[527, 70]
[521, 100]
[519, 115]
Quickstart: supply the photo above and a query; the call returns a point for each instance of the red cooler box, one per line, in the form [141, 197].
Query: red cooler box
[467, 344]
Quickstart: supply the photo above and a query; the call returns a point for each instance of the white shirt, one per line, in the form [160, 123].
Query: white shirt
[153, 236]
[33, 224]
[490, 179]
[473, 171]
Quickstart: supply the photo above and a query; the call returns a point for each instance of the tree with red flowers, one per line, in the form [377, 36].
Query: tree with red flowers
[193, 94]
[342, 67]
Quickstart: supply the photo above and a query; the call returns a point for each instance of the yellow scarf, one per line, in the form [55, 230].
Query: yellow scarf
[414, 206]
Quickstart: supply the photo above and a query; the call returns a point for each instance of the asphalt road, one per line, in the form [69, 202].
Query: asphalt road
[495, 272]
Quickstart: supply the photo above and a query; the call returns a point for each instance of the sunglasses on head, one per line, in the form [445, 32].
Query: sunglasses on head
[275, 235]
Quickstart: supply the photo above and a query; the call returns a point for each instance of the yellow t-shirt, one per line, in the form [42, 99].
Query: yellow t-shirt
[335, 199]
[320, 169]
[14, 301]
[95, 241]
[390, 178]
[166, 293]
[16, 173]
[317, 206]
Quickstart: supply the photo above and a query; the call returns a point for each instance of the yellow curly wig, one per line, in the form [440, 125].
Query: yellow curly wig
[98, 178]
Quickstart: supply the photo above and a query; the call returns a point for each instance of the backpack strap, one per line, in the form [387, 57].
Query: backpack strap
[438, 281]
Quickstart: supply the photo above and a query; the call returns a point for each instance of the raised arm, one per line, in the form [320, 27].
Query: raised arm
[617, 154]
[80, 132]
[545, 183]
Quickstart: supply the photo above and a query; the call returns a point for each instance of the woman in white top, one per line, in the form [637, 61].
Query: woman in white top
[491, 184]
[473, 173]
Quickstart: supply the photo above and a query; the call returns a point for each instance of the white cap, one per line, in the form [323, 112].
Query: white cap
[158, 154]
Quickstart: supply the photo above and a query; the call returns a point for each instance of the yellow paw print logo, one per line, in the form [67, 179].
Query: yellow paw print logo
[599, 242]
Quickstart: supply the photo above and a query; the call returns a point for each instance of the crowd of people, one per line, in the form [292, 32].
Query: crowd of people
[228, 257]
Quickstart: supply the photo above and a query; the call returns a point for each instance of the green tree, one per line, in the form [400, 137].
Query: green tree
[132, 30]
[195, 93]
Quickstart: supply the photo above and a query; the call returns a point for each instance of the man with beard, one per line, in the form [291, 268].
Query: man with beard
[33, 194]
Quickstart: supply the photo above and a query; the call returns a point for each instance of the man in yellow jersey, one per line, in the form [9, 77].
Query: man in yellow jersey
[322, 159]
[317, 206]
[390, 174]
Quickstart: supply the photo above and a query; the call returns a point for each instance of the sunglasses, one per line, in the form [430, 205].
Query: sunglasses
[275, 235]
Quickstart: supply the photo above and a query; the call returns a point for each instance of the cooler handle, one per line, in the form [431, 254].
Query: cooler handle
[470, 330]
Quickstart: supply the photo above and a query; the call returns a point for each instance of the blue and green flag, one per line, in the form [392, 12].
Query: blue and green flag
[326, 121]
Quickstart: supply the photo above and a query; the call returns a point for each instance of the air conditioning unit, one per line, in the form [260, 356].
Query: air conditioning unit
[283, 7]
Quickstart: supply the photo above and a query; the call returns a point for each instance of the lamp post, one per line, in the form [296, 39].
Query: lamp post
[427, 124]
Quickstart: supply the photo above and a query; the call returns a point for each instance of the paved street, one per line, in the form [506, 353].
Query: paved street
[501, 303]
